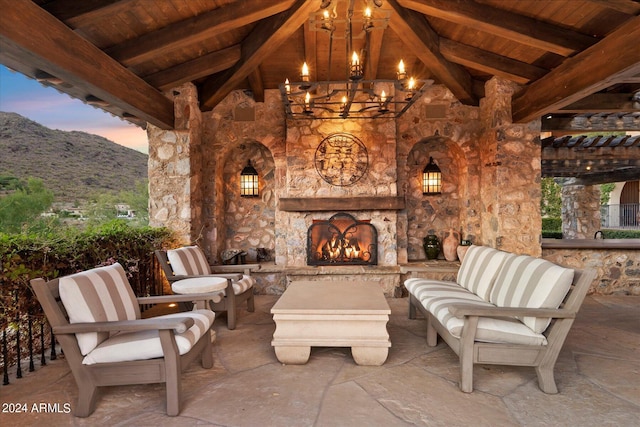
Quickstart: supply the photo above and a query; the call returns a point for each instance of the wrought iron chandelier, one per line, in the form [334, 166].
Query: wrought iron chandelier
[353, 97]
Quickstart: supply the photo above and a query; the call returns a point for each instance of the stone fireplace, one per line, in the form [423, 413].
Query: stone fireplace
[312, 170]
[342, 240]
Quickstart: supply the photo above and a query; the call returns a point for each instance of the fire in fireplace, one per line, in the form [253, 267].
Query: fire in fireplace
[342, 240]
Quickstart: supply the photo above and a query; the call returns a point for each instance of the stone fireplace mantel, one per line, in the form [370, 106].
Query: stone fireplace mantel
[324, 204]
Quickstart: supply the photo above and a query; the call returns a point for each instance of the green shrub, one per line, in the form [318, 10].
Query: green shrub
[27, 256]
[621, 234]
[552, 225]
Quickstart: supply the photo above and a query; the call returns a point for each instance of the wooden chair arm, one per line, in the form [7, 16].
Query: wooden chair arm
[178, 324]
[464, 310]
[236, 268]
[163, 299]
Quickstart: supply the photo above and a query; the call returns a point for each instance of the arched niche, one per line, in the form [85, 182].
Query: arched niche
[247, 223]
[434, 213]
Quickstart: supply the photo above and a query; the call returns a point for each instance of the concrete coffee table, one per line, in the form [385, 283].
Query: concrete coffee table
[331, 314]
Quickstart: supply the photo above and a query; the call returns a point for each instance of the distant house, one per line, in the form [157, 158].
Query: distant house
[623, 210]
[125, 211]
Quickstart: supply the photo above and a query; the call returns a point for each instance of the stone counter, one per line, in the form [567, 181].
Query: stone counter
[617, 262]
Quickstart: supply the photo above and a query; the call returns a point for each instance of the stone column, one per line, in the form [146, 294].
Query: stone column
[509, 174]
[174, 172]
[580, 210]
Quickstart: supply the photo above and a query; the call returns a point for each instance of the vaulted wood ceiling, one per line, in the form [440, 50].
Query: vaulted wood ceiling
[570, 56]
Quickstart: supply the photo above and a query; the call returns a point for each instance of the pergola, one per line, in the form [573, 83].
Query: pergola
[573, 59]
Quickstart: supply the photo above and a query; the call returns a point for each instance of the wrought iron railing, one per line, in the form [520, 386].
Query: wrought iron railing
[625, 216]
[27, 335]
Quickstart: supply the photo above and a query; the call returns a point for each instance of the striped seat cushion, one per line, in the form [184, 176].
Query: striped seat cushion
[530, 282]
[437, 297]
[191, 261]
[480, 268]
[98, 295]
[188, 261]
[143, 345]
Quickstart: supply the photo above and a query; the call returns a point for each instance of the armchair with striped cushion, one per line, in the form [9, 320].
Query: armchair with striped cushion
[97, 321]
[190, 263]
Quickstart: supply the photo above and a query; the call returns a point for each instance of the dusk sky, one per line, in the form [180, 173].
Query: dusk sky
[55, 110]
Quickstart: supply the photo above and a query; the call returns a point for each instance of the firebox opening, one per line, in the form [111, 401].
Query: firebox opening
[342, 240]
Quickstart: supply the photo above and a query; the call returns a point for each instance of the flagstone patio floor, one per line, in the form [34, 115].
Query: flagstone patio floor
[598, 377]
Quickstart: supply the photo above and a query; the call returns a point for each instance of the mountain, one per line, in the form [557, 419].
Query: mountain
[71, 164]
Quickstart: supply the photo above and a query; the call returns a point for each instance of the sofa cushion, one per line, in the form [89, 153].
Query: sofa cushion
[188, 261]
[525, 281]
[480, 268]
[142, 345]
[438, 297]
[98, 295]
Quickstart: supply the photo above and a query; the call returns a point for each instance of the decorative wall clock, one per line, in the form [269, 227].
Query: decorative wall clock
[341, 159]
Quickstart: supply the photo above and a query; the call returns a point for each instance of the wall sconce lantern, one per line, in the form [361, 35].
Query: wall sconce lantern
[431, 179]
[249, 181]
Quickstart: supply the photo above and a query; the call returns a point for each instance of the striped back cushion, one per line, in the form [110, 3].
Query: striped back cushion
[188, 261]
[98, 295]
[479, 269]
[530, 282]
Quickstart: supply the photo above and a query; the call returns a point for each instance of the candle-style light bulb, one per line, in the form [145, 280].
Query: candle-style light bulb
[402, 73]
[305, 72]
[412, 84]
[287, 86]
[383, 97]
[355, 61]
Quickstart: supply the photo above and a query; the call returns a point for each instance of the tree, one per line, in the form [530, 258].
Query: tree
[103, 207]
[23, 207]
[551, 200]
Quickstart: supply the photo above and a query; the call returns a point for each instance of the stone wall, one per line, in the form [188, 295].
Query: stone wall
[580, 211]
[510, 174]
[491, 175]
[618, 271]
[175, 169]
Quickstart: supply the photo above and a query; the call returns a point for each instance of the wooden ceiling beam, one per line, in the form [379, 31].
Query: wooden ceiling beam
[310, 50]
[598, 67]
[632, 174]
[413, 29]
[511, 26]
[57, 49]
[263, 41]
[195, 69]
[257, 85]
[76, 13]
[603, 103]
[194, 30]
[578, 124]
[373, 54]
[488, 62]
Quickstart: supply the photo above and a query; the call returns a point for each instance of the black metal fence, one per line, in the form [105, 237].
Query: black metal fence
[27, 338]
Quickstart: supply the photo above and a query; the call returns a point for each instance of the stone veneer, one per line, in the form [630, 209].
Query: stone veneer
[491, 177]
[580, 211]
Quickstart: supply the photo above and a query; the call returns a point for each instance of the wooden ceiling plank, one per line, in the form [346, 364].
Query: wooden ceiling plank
[482, 60]
[193, 30]
[511, 26]
[263, 41]
[256, 84]
[625, 6]
[413, 29]
[603, 103]
[594, 69]
[569, 124]
[59, 47]
[203, 66]
[76, 13]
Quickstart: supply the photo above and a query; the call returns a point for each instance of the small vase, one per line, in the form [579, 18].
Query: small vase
[450, 245]
[431, 245]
